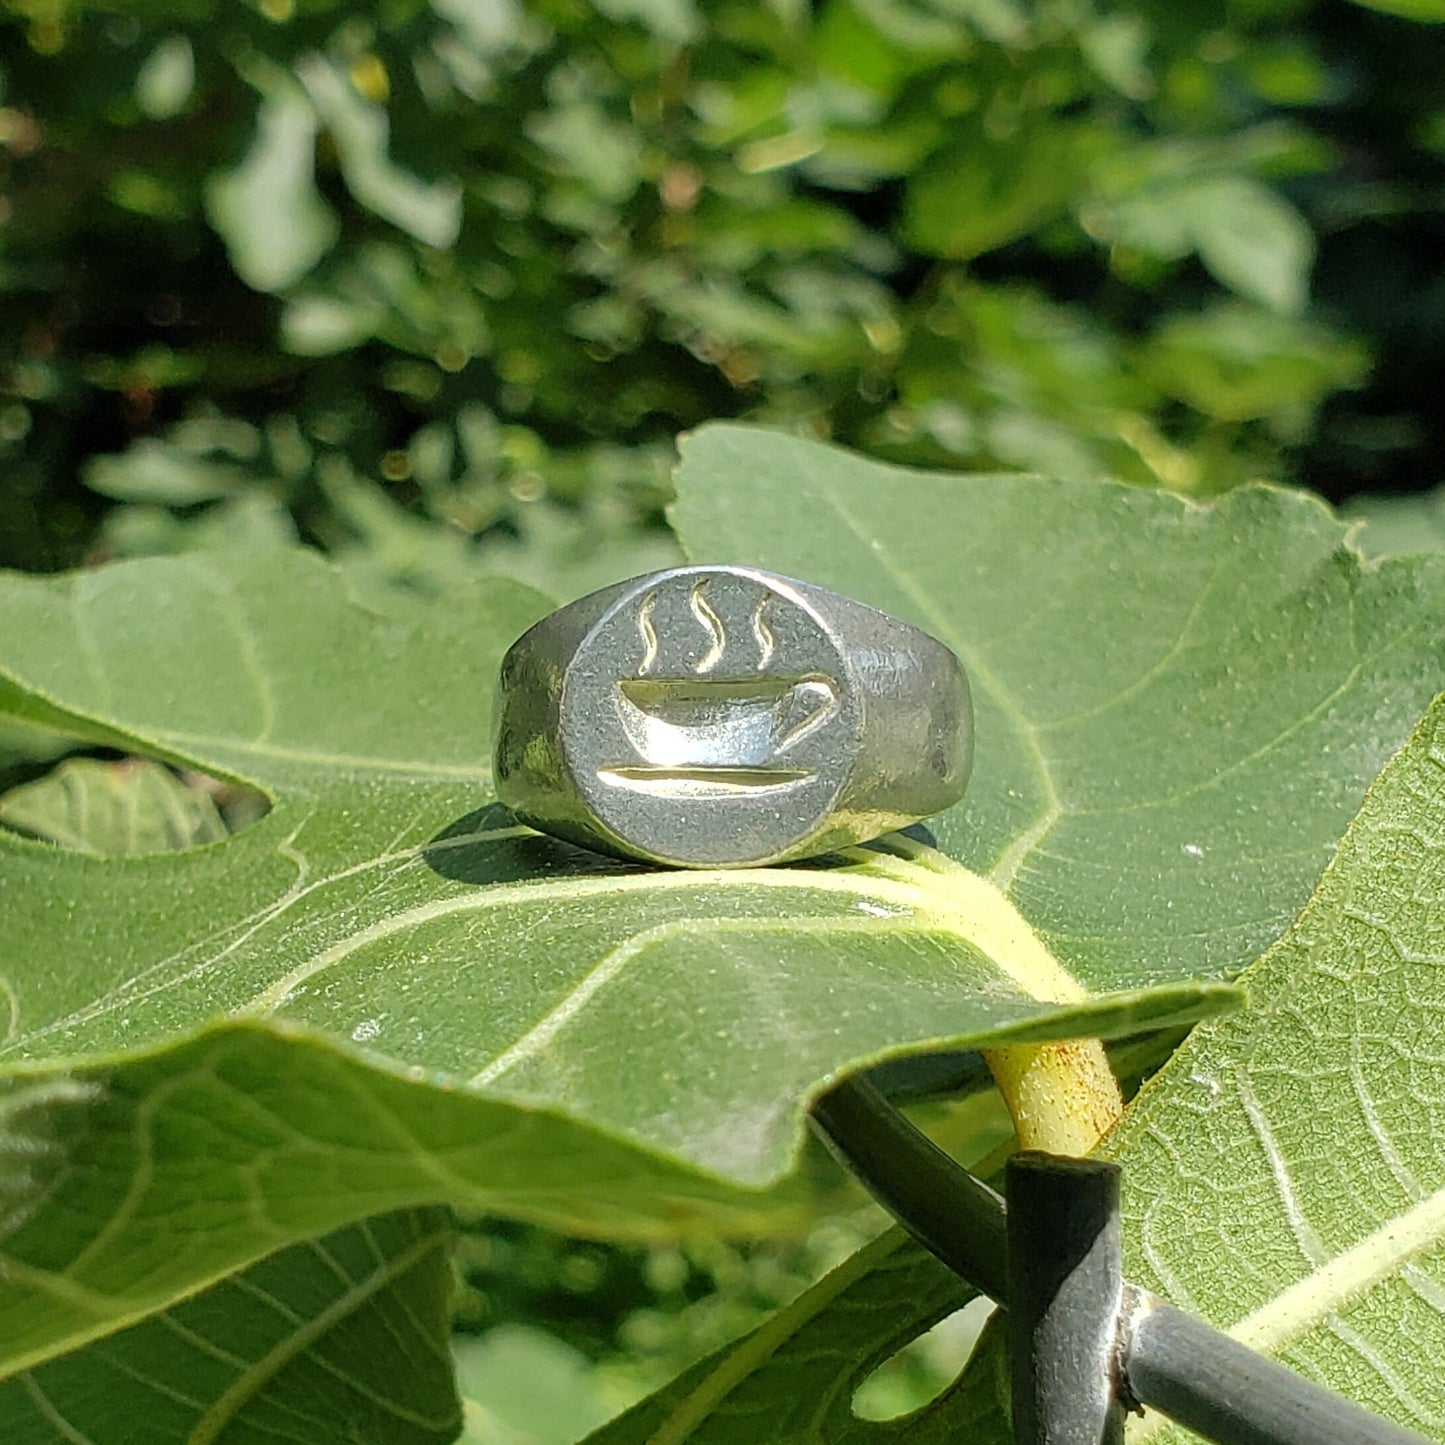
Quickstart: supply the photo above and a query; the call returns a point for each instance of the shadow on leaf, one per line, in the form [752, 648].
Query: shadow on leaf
[489, 845]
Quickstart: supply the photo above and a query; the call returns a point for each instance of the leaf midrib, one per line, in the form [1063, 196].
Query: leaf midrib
[417, 769]
[1369, 1261]
[952, 899]
[209, 751]
[922, 887]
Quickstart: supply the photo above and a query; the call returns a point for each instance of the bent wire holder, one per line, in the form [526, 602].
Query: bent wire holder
[1086, 1345]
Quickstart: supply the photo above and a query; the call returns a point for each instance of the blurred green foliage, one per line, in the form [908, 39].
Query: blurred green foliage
[554, 1335]
[436, 284]
[641, 1316]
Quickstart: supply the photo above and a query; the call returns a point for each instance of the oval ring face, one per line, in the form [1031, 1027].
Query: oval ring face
[708, 717]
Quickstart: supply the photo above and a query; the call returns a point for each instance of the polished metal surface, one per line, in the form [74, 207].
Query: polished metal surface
[715, 716]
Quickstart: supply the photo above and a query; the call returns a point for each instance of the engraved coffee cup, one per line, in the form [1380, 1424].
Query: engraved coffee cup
[708, 735]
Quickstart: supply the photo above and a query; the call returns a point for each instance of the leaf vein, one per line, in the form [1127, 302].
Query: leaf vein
[227, 1405]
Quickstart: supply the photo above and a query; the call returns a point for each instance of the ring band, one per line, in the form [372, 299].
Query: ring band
[714, 717]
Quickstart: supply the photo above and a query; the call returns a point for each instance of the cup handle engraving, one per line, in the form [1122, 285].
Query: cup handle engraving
[811, 703]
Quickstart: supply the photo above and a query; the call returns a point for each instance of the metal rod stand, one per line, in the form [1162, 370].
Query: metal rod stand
[1065, 1287]
[949, 1212]
[1224, 1391]
[1061, 1257]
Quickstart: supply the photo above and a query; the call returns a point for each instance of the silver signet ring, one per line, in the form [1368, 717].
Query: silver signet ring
[726, 717]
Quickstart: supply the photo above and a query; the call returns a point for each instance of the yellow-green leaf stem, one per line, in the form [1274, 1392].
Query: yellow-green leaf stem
[1062, 1097]
[976, 909]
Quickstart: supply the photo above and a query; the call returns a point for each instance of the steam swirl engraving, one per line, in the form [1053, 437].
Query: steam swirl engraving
[649, 633]
[702, 610]
[712, 627]
[767, 643]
